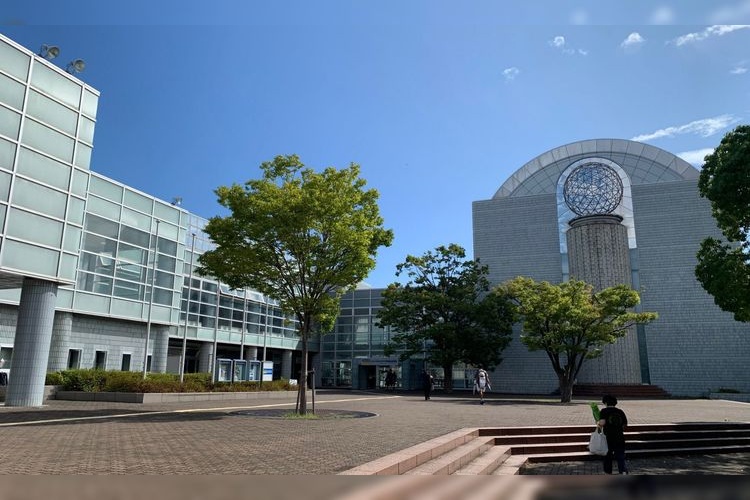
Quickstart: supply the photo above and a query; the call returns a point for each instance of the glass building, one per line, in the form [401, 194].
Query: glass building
[95, 274]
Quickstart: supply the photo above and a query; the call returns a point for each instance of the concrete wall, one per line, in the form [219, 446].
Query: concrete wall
[694, 347]
[518, 237]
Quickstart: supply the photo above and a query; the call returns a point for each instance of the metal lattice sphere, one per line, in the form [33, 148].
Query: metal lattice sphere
[593, 189]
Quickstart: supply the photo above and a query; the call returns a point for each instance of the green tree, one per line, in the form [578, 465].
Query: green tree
[570, 322]
[446, 312]
[300, 236]
[724, 268]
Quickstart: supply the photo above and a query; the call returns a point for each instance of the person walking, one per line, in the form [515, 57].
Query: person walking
[481, 383]
[427, 381]
[613, 422]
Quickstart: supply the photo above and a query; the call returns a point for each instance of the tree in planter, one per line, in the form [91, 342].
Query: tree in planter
[571, 323]
[446, 312]
[724, 269]
[299, 236]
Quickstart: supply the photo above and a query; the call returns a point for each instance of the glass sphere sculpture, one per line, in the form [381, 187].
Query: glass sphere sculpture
[593, 189]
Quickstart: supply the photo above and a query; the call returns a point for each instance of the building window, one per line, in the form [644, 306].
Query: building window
[74, 359]
[125, 363]
[100, 360]
[5, 354]
[148, 363]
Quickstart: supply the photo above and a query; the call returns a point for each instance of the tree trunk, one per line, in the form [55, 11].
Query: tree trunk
[566, 388]
[303, 378]
[448, 378]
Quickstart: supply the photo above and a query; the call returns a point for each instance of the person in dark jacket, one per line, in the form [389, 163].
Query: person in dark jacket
[427, 381]
[613, 422]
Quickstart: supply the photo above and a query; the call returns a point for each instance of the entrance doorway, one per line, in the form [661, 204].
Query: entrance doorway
[368, 377]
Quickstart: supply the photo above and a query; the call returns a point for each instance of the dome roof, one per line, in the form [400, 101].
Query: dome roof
[644, 164]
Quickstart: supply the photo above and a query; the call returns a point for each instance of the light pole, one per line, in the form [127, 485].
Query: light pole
[242, 329]
[150, 302]
[216, 327]
[265, 336]
[187, 312]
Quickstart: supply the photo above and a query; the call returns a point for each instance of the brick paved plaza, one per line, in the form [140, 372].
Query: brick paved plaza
[101, 438]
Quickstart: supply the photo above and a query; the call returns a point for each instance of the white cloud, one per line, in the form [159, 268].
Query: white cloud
[511, 73]
[705, 128]
[739, 69]
[731, 13]
[715, 30]
[662, 15]
[560, 43]
[633, 40]
[696, 156]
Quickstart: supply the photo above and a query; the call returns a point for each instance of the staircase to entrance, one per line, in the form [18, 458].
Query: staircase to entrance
[506, 450]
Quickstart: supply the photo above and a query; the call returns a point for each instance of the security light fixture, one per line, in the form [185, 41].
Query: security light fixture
[76, 66]
[49, 51]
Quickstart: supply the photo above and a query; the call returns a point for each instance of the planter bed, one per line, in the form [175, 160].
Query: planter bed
[170, 397]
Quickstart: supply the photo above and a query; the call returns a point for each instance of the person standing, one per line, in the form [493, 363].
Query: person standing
[427, 381]
[482, 383]
[613, 422]
[390, 379]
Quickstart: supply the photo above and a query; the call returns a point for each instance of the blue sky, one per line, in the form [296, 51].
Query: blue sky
[439, 102]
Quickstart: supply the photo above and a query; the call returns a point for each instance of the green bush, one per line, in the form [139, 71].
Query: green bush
[161, 382]
[196, 382]
[53, 378]
[122, 381]
[119, 381]
[83, 380]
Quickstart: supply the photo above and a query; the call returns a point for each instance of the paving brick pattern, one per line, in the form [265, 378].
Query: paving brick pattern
[73, 437]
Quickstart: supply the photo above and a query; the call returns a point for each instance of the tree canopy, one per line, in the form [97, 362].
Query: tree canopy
[724, 267]
[300, 236]
[570, 322]
[446, 312]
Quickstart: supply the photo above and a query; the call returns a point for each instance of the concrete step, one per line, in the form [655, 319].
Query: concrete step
[453, 460]
[630, 437]
[486, 463]
[619, 390]
[503, 451]
[586, 429]
[638, 453]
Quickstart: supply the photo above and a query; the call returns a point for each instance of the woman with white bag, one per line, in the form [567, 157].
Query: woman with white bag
[612, 421]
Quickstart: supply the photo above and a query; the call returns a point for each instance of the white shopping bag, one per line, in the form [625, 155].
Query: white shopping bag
[598, 443]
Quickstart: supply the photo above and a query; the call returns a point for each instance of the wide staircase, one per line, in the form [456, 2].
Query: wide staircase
[506, 450]
[639, 391]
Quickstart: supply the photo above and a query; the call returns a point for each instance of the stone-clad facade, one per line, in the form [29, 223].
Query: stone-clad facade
[694, 347]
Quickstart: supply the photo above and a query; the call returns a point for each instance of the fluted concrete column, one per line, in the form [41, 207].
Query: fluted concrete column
[598, 254]
[160, 345]
[205, 355]
[251, 352]
[62, 329]
[36, 316]
[286, 364]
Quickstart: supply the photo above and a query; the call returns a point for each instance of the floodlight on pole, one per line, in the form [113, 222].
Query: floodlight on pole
[49, 52]
[75, 66]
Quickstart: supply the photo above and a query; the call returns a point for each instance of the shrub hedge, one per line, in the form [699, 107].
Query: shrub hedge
[92, 380]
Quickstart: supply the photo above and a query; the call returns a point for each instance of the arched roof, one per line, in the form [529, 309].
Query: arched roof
[644, 164]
